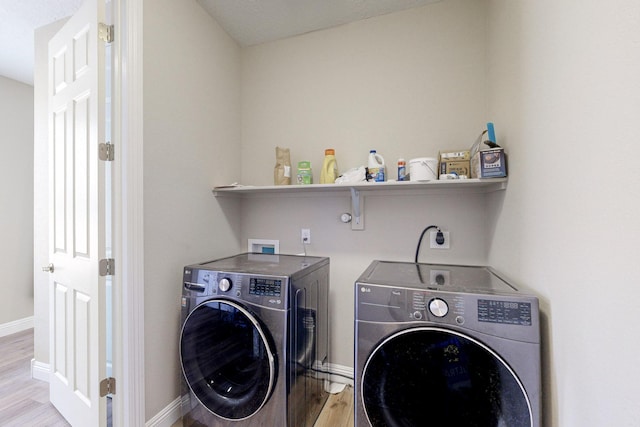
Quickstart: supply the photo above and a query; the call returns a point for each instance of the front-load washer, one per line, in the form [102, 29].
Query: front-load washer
[254, 341]
[441, 345]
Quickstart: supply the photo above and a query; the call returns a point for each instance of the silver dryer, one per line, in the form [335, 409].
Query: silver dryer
[445, 345]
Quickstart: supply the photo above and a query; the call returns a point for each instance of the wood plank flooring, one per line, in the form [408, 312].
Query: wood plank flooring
[337, 412]
[24, 402]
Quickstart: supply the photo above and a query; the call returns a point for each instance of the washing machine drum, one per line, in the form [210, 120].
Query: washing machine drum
[227, 359]
[436, 377]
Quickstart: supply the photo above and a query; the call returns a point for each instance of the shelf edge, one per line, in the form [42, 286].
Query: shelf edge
[481, 185]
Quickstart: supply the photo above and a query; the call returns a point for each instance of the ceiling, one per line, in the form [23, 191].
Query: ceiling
[252, 22]
[18, 19]
[249, 22]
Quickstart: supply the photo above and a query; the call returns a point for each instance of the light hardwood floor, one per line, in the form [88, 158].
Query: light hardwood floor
[337, 412]
[24, 402]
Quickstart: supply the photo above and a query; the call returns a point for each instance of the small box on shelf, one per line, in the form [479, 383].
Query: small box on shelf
[455, 162]
[304, 175]
[490, 163]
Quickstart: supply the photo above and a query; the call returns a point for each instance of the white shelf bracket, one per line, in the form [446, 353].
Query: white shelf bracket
[357, 210]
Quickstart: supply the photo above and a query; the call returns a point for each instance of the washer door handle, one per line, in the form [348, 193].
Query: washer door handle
[194, 286]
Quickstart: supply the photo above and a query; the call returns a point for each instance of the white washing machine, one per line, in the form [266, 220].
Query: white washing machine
[254, 341]
[442, 345]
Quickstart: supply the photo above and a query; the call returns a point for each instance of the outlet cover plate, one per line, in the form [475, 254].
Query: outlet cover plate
[432, 240]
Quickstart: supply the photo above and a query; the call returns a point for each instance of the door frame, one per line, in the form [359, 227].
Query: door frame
[128, 219]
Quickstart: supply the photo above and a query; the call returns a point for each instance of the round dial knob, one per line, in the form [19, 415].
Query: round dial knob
[224, 285]
[438, 307]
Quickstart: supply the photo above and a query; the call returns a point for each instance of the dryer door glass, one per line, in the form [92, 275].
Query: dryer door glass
[435, 377]
[227, 359]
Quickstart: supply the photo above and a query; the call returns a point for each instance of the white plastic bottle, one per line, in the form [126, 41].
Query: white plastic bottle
[329, 171]
[376, 166]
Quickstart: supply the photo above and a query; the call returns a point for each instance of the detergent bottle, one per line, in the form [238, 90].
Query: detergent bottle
[329, 171]
[376, 167]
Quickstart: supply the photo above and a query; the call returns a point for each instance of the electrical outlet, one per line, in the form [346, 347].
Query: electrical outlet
[432, 240]
[305, 236]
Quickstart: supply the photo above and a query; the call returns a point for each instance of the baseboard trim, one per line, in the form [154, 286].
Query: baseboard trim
[39, 370]
[16, 326]
[167, 417]
[341, 374]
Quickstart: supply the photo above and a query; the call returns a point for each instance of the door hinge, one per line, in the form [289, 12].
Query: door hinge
[105, 32]
[107, 152]
[107, 267]
[107, 386]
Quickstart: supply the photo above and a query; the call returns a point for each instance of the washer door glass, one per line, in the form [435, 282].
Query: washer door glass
[435, 377]
[227, 359]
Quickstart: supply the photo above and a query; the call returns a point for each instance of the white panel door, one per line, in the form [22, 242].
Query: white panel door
[77, 218]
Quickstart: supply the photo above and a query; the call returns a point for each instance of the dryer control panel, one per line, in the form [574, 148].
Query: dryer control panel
[507, 312]
[387, 304]
[502, 315]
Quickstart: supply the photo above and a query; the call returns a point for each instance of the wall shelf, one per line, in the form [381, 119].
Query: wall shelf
[358, 190]
[465, 185]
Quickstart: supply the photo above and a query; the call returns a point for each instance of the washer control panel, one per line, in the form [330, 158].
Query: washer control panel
[265, 287]
[268, 291]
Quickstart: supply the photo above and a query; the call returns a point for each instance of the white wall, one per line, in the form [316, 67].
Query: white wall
[192, 140]
[407, 84]
[566, 102]
[16, 199]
